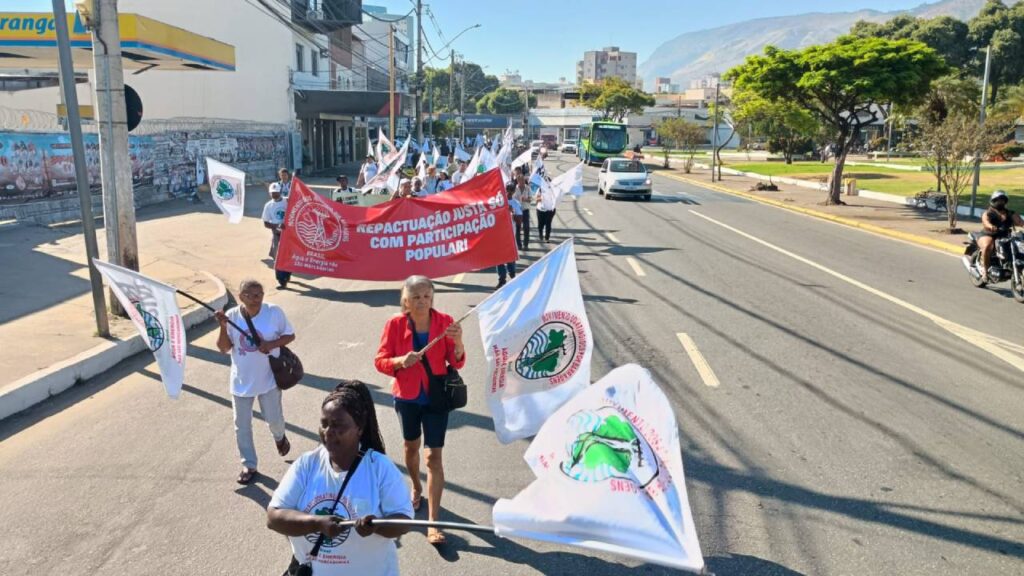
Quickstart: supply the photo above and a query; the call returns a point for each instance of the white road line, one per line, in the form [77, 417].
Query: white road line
[635, 266]
[588, 212]
[699, 362]
[459, 278]
[1012, 354]
[612, 237]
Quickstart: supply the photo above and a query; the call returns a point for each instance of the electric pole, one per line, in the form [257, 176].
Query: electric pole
[67, 84]
[391, 81]
[981, 121]
[419, 70]
[462, 97]
[714, 137]
[115, 164]
[451, 84]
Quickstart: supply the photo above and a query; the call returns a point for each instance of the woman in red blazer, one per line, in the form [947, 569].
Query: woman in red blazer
[404, 336]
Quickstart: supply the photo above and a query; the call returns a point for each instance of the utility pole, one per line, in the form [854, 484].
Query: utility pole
[67, 84]
[430, 104]
[714, 137]
[462, 97]
[451, 84]
[888, 137]
[981, 122]
[391, 82]
[419, 69]
[115, 166]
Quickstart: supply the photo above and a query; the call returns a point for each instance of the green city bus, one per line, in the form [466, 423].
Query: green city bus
[600, 140]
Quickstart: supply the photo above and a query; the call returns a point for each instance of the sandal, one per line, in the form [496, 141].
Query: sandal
[246, 476]
[417, 500]
[283, 446]
[436, 538]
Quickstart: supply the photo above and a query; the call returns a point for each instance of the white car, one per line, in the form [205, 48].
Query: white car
[623, 177]
[569, 148]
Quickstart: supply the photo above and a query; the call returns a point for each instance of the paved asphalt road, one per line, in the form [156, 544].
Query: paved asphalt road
[868, 417]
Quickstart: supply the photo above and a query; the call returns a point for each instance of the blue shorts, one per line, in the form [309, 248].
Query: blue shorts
[419, 420]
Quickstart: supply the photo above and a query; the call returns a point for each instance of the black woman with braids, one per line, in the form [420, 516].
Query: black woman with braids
[311, 499]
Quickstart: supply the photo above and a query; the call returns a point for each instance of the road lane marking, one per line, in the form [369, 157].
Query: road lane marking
[459, 278]
[612, 237]
[635, 266]
[1002, 349]
[588, 212]
[699, 362]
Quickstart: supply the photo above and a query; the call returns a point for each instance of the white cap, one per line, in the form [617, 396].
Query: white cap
[404, 181]
[275, 188]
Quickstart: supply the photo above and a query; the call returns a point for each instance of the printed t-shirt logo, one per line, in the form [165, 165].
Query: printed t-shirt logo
[322, 507]
[607, 446]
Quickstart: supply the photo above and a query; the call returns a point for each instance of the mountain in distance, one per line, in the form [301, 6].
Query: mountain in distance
[694, 54]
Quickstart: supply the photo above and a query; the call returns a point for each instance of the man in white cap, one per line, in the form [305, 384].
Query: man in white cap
[404, 189]
[273, 216]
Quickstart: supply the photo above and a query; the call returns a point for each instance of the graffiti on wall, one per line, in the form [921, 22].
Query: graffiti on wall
[40, 167]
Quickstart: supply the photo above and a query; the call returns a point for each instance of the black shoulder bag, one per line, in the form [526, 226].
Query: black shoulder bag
[296, 569]
[287, 367]
[446, 393]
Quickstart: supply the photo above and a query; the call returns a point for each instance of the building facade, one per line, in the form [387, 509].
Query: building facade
[608, 62]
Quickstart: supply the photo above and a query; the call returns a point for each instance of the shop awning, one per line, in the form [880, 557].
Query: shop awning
[28, 40]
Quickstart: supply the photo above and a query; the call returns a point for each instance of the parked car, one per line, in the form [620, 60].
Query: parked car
[623, 177]
[535, 147]
[568, 148]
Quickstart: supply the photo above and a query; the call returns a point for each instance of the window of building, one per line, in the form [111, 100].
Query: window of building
[314, 62]
[300, 65]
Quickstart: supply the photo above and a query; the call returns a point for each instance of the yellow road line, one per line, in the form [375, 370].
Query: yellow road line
[1006, 351]
[904, 236]
[635, 266]
[699, 362]
[459, 278]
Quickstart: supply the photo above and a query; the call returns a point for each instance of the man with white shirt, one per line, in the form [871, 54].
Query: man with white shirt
[367, 171]
[459, 174]
[273, 216]
[343, 189]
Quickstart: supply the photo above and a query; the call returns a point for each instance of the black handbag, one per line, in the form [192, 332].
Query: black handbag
[287, 367]
[296, 569]
[448, 392]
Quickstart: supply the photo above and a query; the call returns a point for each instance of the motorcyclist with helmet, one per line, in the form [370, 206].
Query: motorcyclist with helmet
[997, 222]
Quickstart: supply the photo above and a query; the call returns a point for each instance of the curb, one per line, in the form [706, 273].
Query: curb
[40, 385]
[905, 236]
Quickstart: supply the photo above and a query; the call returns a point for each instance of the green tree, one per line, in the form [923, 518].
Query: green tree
[1011, 105]
[615, 98]
[440, 82]
[681, 134]
[504, 101]
[787, 127]
[1001, 28]
[843, 84]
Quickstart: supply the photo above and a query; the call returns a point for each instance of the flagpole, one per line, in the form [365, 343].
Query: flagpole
[492, 295]
[422, 524]
[208, 307]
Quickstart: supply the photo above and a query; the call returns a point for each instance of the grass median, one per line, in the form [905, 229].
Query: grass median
[892, 180]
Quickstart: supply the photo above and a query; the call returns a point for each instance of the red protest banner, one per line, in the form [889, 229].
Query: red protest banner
[466, 228]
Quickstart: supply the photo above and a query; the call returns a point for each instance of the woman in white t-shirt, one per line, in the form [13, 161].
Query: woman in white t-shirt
[251, 376]
[303, 506]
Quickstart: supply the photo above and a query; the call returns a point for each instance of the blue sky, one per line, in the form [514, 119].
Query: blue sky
[543, 39]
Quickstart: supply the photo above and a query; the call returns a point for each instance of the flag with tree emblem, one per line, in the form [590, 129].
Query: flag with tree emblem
[153, 308]
[609, 476]
[537, 344]
[227, 187]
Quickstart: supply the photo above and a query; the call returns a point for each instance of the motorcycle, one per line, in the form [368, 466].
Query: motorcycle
[1006, 263]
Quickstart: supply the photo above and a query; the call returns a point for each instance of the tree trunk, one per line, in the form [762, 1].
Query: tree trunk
[836, 188]
[952, 202]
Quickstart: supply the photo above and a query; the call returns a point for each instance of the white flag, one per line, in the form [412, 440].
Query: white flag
[460, 152]
[523, 158]
[227, 187]
[421, 168]
[609, 476]
[474, 166]
[479, 141]
[388, 172]
[369, 146]
[570, 182]
[153, 308]
[537, 343]
[437, 156]
[383, 142]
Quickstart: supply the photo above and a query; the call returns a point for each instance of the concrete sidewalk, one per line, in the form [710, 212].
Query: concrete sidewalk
[920, 226]
[47, 326]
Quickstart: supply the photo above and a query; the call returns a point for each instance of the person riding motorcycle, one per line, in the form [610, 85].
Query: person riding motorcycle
[997, 222]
